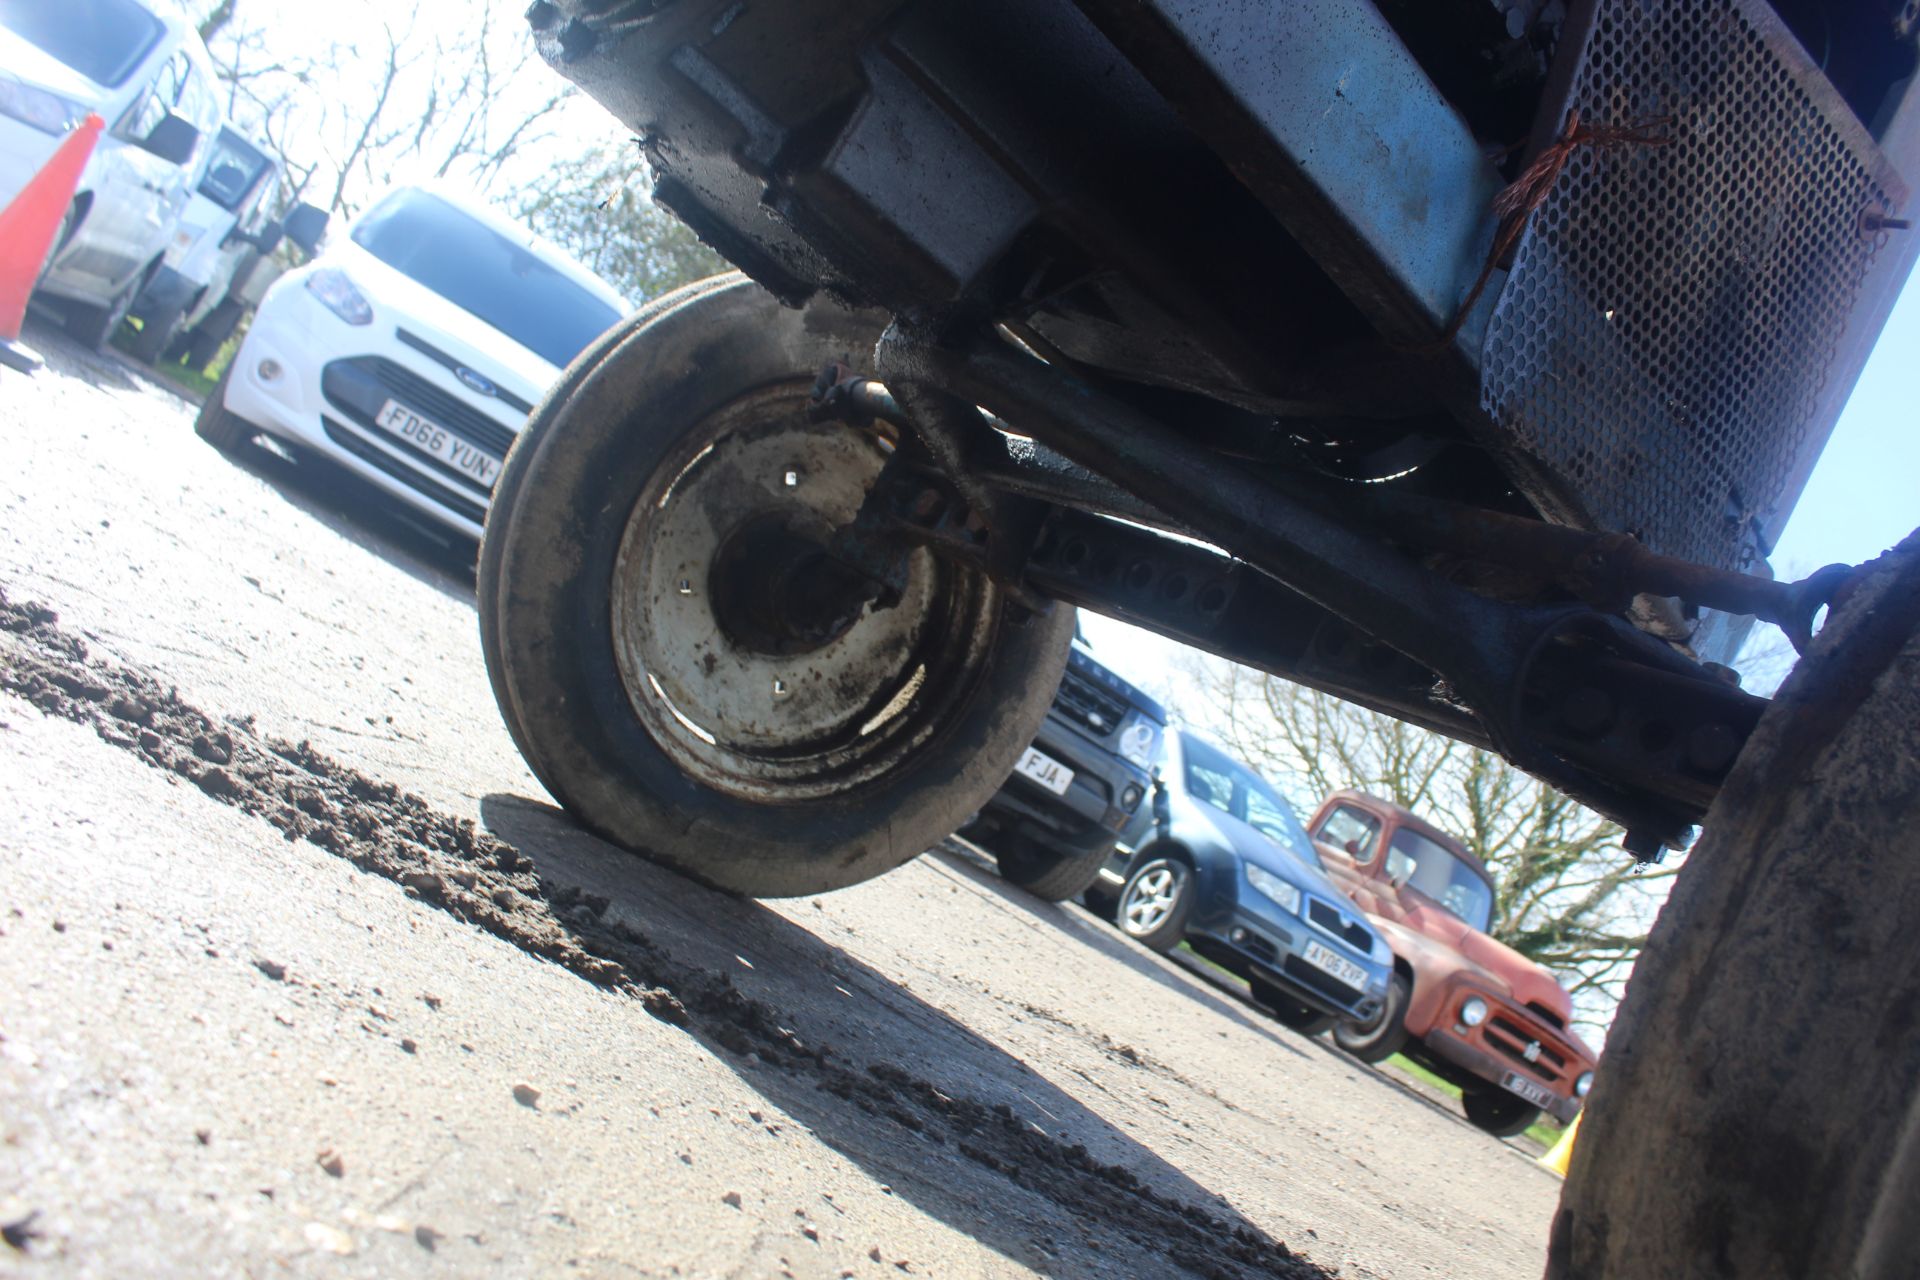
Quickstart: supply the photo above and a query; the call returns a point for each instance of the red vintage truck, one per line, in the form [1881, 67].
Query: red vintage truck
[1468, 1008]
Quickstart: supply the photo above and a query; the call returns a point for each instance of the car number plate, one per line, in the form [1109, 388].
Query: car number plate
[436, 441]
[1339, 966]
[1045, 770]
[1515, 1083]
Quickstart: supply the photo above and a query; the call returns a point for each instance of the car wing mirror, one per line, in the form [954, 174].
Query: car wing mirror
[173, 139]
[306, 226]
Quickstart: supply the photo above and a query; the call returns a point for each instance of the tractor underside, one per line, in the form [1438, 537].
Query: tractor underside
[1212, 315]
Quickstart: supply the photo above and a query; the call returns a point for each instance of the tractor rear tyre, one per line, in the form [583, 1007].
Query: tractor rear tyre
[1755, 1114]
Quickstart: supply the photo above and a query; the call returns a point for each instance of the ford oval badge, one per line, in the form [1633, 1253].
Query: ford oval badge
[476, 381]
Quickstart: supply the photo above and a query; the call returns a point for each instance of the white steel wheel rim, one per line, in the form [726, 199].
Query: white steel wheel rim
[1150, 898]
[761, 726]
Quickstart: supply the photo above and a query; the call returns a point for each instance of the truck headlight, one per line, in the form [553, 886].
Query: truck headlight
[1584, 1083]
[1274, 887]
[1139, 740]
[1473, 1012]
[46, 112]
[338, 295]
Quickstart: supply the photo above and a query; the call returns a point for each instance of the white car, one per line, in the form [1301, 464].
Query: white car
[412, 350]
[149, 78]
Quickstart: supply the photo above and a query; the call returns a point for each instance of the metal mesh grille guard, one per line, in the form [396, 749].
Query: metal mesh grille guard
[1664, 342]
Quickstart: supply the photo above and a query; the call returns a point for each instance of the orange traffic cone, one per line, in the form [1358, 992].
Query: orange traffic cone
[27, 228]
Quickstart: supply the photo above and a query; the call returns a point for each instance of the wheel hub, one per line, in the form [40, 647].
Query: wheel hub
[1149, 900]
[776, 590]
[752, 655]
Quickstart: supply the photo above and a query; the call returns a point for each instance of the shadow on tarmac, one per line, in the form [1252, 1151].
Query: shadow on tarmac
[986, 1164]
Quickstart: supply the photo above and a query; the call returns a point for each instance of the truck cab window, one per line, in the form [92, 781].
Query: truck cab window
[1343, 825]
[1436, 874]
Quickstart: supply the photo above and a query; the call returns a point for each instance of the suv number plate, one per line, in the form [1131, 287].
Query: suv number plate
[1515, 1083]
[436, 441]
[1045, 770]
[1339, 966]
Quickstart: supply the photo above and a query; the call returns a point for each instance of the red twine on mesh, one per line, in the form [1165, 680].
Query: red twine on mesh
[1516, 203]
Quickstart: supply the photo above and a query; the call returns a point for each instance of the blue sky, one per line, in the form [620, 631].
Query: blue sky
[1863, 496]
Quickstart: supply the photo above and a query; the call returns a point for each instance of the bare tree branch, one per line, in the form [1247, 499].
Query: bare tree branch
[463, 104]
[600, 208]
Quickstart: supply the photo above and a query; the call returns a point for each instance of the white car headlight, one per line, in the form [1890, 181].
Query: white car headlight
[338, 295]
[46, 112]
[1274, 887]
[1382, 953]
[1584, 1083]
[1140, 740]
[1473, 1012]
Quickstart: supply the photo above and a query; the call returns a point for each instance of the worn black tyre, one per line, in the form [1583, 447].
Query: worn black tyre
[506, 489]
[156, 333]
[1287, 1011]
[1381, 1037]
[195, 350]
[93, 327]
[1048, 874]
[1498, 1112]
[197, 347]
[218, 426]
[1156, 902]
[631, 581]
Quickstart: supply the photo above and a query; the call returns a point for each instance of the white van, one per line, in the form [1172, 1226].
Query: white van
[148, 76]
[225, 223]
[412, 350]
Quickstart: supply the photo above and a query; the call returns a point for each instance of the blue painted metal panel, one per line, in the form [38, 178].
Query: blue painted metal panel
[1324, 114]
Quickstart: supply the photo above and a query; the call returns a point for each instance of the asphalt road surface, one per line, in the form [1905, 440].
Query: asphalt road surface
[304, 974]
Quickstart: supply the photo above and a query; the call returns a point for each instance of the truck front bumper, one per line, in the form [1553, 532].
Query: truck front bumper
[1491, 1068]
